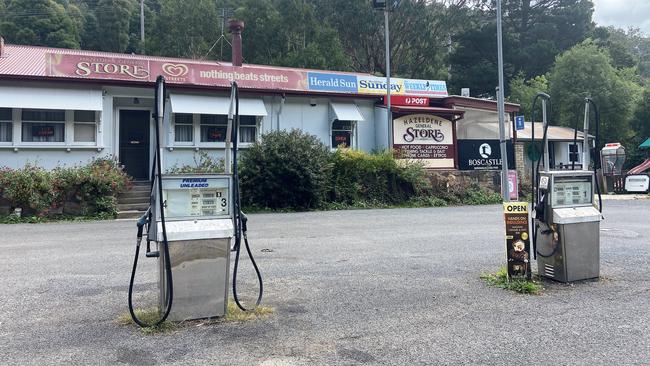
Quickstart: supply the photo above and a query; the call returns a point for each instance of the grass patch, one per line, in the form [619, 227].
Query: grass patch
[500, 279]
[148, 316]
[35, 219]
[233, 315]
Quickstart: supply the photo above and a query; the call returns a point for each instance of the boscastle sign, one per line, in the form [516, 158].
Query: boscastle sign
[425, 138]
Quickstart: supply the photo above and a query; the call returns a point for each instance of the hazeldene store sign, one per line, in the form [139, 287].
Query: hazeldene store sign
[251, 77]
[425, 138]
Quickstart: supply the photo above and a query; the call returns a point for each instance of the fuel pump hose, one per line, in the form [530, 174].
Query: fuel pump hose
[240, 219]
[145, 220]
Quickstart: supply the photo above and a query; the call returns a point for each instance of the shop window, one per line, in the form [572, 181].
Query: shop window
[183, 127]
[213, 128]
[43, 125]
[85, 126]
[341, 133]
[247, 129]
[6, 125]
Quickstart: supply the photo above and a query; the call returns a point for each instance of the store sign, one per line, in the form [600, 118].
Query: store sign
[517, 240]
[425, 138]
[407, 100]
[138, 68]
[483, 154]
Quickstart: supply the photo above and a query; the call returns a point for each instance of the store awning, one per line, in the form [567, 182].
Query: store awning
[202, 104]
[645, 144]
[346, 111]
[50, 98]
[434, 110]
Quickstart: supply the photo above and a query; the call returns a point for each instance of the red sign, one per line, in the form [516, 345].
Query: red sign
[213, 74]
[407, 100]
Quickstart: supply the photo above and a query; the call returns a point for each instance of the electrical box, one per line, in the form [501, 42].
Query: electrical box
[568, 238]
[199, 227]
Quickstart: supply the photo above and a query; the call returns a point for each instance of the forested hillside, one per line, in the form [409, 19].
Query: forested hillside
[549, 45]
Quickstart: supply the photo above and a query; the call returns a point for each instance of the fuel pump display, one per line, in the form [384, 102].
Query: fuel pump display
[566, 233]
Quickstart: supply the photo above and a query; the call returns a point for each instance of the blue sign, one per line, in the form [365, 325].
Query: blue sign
[519, 123]
[332, 82]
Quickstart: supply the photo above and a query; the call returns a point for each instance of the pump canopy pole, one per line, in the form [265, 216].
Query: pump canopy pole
[505, 191]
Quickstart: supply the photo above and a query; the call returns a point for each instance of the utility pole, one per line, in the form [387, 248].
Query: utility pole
[505, 192]
[142, 26]
[389, 114]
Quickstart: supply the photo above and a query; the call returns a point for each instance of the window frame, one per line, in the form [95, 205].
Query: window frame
[352, 131]
[578, 152]
[196, 137]
[11, 123]
[74, 123]
[66, 130]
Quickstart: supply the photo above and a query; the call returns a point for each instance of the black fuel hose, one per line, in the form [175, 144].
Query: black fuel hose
[596, 159]
[240, 219]
[535, 167]
[160, 83]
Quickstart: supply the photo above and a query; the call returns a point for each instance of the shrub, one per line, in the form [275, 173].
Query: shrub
[286, 169]
[361, 177]
[92, 187]
[203, 163]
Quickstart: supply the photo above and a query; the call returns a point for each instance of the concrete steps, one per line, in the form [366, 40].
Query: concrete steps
[133, 203]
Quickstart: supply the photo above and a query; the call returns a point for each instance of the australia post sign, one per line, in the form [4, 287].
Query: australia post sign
[178, 71]
[425, 138]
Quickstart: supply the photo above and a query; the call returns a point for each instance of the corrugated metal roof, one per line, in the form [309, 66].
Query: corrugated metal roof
[554, 133]
[31, 60]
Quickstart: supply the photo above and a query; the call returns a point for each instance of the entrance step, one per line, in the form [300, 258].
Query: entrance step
[130, 214]
[133, 203]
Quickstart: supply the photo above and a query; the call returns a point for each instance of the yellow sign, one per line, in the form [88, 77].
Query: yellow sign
[515, 207]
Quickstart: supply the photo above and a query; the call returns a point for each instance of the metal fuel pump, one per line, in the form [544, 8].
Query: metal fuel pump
[192, 219]
[566, 233]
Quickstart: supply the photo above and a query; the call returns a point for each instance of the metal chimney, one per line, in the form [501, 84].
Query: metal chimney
[2, 46]
[236, 27]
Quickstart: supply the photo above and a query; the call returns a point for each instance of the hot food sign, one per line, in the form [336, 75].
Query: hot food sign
[425, 138]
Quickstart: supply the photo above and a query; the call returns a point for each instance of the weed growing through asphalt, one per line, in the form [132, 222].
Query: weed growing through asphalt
[500, 279]
[233, 315]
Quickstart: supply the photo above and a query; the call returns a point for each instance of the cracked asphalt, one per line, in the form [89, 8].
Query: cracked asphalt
[359, 287]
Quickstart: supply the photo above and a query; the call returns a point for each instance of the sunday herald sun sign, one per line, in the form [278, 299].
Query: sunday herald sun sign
[248, 77]
[425, 138]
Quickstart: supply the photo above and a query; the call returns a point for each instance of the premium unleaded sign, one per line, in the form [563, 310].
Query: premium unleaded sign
[426, 138]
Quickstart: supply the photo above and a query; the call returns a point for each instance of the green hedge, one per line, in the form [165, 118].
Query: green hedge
[81, 190]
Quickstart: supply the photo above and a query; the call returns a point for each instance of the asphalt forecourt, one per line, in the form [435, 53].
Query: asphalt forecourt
[376, 287]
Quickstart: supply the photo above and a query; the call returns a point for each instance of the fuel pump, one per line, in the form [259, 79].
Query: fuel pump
[566, 233]
[192, 219]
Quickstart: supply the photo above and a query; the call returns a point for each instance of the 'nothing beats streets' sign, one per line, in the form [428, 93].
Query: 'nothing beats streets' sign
[425, 138]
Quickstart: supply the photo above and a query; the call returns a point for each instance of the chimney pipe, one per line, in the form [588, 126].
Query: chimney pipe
[236, 27]
[2, 46]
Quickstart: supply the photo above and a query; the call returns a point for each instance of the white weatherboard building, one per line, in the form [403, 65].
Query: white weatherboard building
[66, 107]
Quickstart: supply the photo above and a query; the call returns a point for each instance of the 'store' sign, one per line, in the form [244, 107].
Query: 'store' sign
[426, 138]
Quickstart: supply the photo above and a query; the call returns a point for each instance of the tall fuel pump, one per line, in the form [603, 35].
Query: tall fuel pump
[192, 220]
[566, 233]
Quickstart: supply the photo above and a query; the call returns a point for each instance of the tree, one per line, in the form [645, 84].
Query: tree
[523, 91]
[640, 124]
[586, 71]
[39, 22]
[113, 18]
[184, 28]
[419, 34]
[535, 31]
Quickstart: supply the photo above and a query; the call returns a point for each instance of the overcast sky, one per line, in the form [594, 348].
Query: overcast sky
[623, 13]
